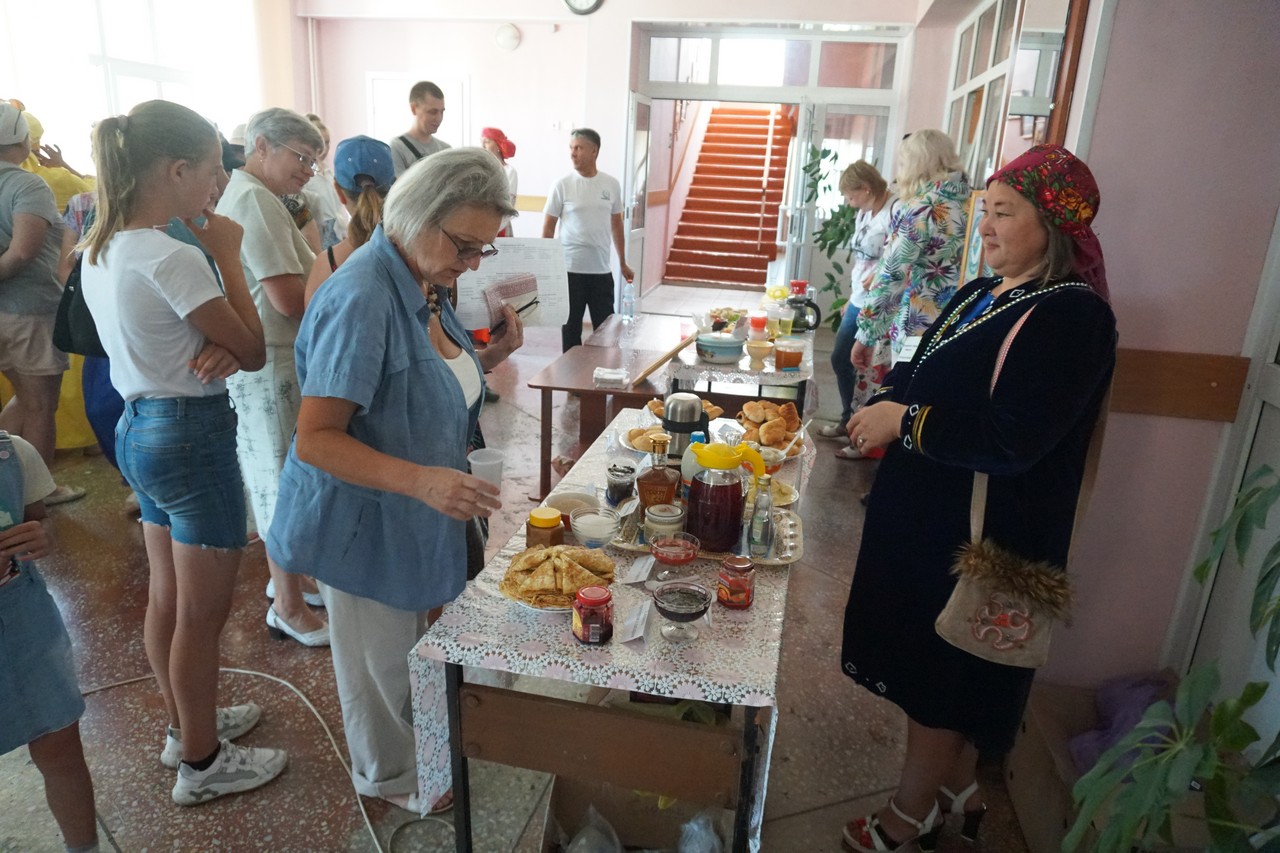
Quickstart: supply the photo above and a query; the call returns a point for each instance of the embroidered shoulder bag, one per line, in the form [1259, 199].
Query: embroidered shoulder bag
[1003, 606]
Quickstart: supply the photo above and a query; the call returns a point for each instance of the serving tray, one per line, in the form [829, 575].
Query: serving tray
[788, 542]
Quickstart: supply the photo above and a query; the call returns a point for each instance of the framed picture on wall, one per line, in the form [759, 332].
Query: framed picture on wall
[974, 264]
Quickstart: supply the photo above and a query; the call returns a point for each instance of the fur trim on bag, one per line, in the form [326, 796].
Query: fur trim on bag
[1044, 585]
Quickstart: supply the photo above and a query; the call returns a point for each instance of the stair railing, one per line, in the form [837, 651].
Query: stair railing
[764, 181]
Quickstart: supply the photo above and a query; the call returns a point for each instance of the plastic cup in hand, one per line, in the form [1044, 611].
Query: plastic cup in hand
[486, 463]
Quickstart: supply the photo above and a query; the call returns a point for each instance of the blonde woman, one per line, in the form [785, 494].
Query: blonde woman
[173, 336]
[919, 271]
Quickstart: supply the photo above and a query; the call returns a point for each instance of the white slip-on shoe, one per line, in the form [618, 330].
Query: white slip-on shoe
[311, 598]
[833, 431]
[279, 629]
[232, 723]
[237, 768]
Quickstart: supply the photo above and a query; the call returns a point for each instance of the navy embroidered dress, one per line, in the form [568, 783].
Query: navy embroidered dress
[1030, 435]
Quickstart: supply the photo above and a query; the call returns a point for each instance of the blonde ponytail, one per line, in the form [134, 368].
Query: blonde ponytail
[366, 216]
[127, 148]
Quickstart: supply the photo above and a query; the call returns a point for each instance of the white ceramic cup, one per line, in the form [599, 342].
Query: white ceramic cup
[486, 463]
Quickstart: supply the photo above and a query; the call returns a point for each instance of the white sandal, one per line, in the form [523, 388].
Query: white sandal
[868, 835]
[972, 818]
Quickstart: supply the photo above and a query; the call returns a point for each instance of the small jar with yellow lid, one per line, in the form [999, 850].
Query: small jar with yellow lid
[544, 528]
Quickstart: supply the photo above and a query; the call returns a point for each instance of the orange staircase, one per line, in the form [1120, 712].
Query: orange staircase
[728, 229]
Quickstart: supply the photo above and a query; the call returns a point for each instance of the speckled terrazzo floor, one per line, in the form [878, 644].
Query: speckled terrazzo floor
[836, 756]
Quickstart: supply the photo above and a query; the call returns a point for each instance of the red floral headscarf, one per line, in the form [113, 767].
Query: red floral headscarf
[1062, 188]
[506, 146]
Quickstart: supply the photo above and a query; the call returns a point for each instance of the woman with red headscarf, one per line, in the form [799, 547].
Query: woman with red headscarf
[496, 143]
[1043, 328]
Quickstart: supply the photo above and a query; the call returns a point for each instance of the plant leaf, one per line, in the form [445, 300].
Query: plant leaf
[1227, 725]
[1273, 642]
[1273, 752]
[1268, 575]
[1195, 692]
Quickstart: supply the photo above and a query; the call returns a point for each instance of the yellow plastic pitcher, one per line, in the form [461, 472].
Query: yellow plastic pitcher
[720, 456]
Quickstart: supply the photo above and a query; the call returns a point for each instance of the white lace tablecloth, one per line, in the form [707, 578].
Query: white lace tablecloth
[734, 660]
[687, 367]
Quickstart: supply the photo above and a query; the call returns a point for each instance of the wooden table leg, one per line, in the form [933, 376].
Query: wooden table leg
[746, 782]
[591, 420]
[544, 456]
[461, 782]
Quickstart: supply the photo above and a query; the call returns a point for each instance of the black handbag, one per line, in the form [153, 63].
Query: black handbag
[73, 329]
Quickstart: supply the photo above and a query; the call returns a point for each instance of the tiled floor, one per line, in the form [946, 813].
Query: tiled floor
[837, 752]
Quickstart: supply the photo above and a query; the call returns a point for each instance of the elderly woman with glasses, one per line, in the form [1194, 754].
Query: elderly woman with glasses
[280, 157]
[374, 497]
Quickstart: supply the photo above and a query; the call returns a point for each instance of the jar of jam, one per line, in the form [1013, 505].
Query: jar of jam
[662, 520]
[593, 615]
[736, 587]
[544, 528]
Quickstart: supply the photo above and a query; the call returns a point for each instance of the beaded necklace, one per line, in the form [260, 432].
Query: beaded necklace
[433, 300]
[957, 326]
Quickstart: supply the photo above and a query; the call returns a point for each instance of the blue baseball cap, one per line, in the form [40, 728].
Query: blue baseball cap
[363, 155]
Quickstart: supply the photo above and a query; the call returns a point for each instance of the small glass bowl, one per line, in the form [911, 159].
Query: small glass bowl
[675, 549]
[595, 527]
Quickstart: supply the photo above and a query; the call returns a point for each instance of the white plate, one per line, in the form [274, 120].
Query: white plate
[527, 606]
[787, 499]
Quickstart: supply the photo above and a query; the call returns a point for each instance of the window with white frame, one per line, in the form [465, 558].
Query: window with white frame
[979, 75]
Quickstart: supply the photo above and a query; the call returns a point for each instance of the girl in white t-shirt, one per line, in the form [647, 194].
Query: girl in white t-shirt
[173, 338]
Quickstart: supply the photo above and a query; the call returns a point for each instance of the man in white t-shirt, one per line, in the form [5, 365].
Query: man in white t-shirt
[588, 206]
[426, 102]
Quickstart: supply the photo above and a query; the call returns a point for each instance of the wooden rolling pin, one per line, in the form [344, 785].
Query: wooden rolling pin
[663, 359]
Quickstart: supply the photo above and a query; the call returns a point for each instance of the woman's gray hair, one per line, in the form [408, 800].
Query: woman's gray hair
[279, 126]
[434, 187]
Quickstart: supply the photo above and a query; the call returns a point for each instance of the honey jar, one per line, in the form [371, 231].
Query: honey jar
[544, 528]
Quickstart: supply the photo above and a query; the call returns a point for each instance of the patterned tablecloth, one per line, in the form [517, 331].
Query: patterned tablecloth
[734, 660]
[687, 367]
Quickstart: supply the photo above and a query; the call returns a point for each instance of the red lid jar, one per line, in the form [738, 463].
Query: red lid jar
[593, 615]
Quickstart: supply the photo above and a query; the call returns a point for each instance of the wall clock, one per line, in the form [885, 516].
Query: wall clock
[583, 7]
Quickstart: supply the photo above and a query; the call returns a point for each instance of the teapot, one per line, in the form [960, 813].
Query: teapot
[717, 494]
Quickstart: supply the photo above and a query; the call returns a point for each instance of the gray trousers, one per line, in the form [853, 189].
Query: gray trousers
[371, 644]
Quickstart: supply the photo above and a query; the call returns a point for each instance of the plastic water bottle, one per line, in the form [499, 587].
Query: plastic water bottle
[628, 302]
[760, 534]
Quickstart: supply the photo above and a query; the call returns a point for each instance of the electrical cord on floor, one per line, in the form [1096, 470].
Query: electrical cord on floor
[337, 751]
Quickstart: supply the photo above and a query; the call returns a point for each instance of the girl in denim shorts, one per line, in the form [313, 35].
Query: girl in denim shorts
[173, 337]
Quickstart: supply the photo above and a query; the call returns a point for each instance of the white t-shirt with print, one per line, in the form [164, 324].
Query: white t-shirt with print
[870, 233]
[585, 208]
[140, 293]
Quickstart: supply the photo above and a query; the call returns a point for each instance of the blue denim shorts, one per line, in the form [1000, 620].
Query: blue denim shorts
[179, 455]
[38, 689]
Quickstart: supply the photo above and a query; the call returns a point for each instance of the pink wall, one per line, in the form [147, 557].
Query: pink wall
[536, 93]
[1185, 154]
[929, 77]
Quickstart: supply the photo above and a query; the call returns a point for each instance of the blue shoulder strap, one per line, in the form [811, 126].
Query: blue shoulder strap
[12, 508]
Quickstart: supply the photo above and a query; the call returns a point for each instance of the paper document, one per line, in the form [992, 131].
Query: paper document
[527, 273]
[638, 571]
[633, 622]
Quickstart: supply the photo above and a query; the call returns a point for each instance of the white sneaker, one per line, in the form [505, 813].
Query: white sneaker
[232, 723]
[237, 768]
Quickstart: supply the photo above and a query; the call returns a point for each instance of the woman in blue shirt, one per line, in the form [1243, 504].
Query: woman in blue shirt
[374, 495]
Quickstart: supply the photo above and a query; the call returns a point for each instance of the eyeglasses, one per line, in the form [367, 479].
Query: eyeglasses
[470, 254]
[309, 162]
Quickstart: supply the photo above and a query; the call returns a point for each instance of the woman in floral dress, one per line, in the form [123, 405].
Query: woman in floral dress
[919, 271]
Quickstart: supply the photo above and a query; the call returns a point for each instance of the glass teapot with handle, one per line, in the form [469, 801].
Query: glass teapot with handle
[717, 494]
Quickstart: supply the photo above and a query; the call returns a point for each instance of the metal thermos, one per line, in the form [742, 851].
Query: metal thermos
[683, 415]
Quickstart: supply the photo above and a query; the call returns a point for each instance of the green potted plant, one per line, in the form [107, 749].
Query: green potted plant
[1149, 786]
[835, 234]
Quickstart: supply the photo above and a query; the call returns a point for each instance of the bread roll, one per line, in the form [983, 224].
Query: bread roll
[752, 434]
[713, 412]
[754, 411]
[773, 432]
[787, 411]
